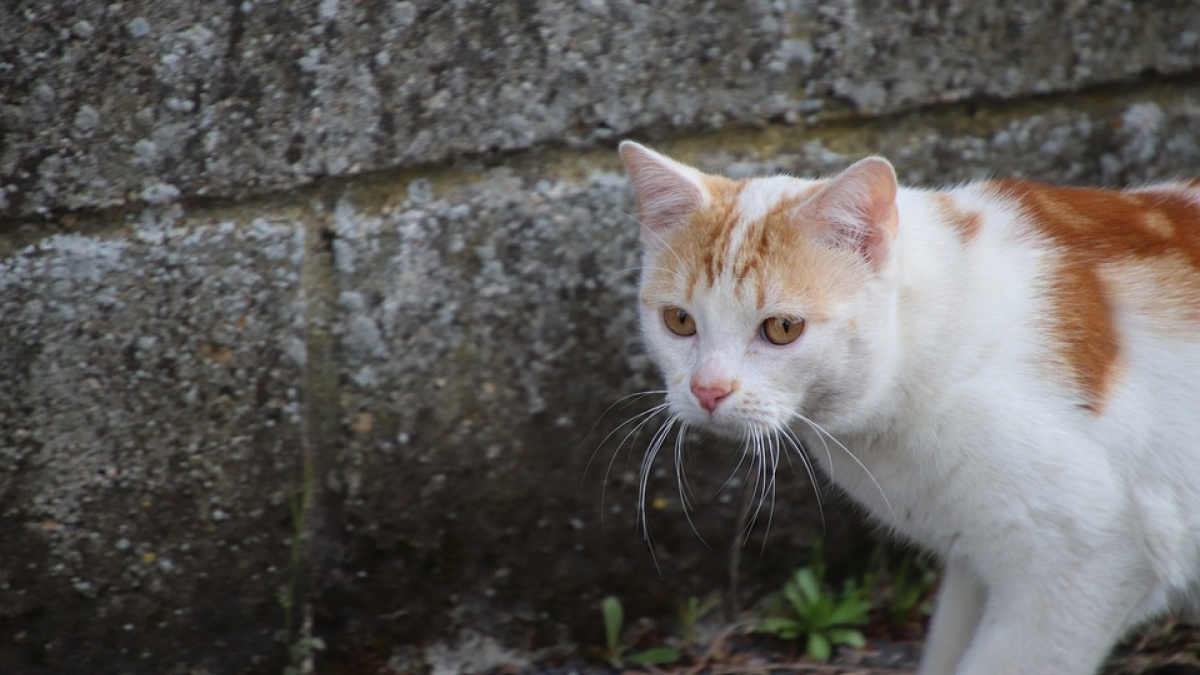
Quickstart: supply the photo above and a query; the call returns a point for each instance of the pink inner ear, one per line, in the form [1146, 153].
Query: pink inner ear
[668, 192]
[859, 206]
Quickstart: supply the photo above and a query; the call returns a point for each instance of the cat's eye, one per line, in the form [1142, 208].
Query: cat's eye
[782, 330]
[679, 321]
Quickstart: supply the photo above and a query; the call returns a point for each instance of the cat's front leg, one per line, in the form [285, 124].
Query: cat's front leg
[955, 618]
[1057, 620]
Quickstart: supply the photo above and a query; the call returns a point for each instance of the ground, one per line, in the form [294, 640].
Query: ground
[1168, 648]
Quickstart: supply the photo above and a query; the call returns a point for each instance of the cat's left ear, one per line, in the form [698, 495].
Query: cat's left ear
[859, 208]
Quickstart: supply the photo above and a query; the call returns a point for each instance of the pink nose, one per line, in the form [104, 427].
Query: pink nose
[711, 395]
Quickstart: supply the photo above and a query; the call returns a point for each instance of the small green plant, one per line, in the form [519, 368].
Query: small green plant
[911, 586]
[690, 614]
[614, 622]
[301, 654]
[903, 583]
[808, 609]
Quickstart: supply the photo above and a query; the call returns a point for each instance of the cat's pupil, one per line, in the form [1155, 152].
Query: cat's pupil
[782, 331]
[679, 322]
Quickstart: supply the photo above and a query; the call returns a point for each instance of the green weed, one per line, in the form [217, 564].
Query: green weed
[807, 608]
[690, 614]
[616, 651]
[904, 583]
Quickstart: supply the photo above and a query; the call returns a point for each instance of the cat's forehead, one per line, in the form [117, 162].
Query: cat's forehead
[752, 239]
[757, 198]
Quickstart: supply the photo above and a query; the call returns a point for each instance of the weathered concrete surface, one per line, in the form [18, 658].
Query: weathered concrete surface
[483, 335]
[148, 443]
[431, 341]
[106, 103]
[441, 344]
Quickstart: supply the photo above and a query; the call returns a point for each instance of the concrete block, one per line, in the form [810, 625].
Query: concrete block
[149, 444]
[107, 104]
[431, 299]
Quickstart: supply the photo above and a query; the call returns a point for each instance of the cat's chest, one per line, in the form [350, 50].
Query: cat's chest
[885, 474]
[936, 479]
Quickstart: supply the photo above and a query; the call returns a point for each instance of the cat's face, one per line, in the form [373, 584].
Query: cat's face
[766, 299]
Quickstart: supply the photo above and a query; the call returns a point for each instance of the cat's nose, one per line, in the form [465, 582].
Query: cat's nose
[711, 395]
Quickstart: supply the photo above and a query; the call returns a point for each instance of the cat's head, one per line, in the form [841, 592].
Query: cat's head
[769, 297]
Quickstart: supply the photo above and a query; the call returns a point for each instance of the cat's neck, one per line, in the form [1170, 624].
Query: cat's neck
[956, 304]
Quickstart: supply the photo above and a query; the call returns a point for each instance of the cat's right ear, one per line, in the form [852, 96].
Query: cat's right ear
[668, 192]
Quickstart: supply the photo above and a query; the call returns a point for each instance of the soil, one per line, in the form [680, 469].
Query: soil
[1171, 647]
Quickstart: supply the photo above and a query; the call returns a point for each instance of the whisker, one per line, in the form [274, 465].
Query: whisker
[768, 474]
[773, 445]
[760, 479]
[647, 462]
[634, 396]
[641, 419]
[736, 469]
[821, 437]
[790, 437]
[820, 431]
[685, 493]
[749, 449]
[656, 442]
[681, 481]
[628, 399]
[645, 413]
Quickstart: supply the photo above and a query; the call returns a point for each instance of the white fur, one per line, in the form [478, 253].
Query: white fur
[1060, 528]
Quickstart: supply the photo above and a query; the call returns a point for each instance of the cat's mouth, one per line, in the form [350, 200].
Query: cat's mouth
[729, 423]
[725, 428]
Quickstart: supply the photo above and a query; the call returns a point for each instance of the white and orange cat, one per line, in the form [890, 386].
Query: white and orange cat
[1007, 373]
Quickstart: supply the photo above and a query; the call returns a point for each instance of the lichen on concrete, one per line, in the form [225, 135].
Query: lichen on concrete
[480, 321]
[104, 101]
[148, 427]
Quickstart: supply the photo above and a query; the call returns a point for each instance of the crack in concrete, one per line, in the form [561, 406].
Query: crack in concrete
[322, 411]
[989, 112]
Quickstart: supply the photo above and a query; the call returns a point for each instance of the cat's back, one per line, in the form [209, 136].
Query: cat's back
[1119, 235]
[1123, 286]
[1075, 309]
[1066, 307]
[1112, 277]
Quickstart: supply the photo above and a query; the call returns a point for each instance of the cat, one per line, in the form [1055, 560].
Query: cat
[1006, 373]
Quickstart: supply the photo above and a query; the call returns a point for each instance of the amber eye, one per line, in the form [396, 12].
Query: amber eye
[679, 321]
[781, 330]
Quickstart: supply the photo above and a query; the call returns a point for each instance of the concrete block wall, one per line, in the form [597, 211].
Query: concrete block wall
[314, 310]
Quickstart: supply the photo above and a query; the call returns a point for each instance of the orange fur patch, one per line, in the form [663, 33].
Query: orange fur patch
[778, 258]
[966, 223]
[714, 225]
[1111, 243]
